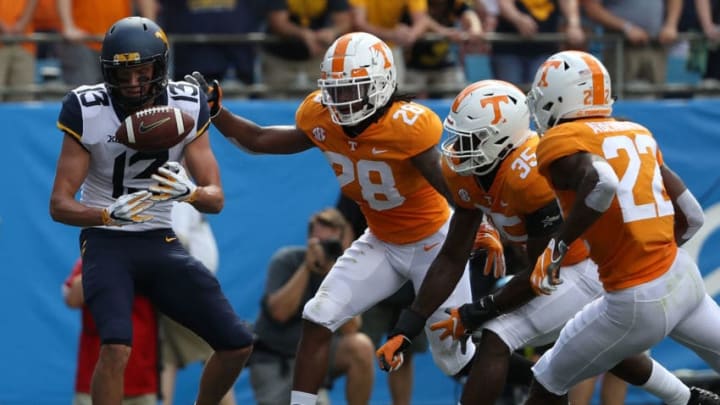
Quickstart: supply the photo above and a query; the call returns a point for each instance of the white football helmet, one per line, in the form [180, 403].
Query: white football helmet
[357, 77]
[487, 120]
[569, 84]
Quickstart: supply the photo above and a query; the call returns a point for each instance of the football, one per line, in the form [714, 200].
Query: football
[155, 128]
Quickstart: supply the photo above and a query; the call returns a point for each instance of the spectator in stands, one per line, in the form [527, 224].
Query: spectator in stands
[17, 60]
[82, 18]
[47, 20]
[649, 27]
[384, 18]
[179, 346]
[216, 60]
[141, 374]
[307, 29]
[436, 63]
[516, 62]
[379, 319]
[294, 275]
[488, 10]
[708, 15]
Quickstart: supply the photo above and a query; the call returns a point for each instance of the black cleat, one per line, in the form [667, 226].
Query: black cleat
[699, 396]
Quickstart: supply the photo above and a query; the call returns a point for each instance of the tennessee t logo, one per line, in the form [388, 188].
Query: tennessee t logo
[495, 101]
[379, 47]
[545, 66]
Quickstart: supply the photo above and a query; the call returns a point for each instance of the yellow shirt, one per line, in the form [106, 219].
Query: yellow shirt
[387, 13]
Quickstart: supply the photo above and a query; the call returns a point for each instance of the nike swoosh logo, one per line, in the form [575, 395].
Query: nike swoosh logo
[429, 247]
[503, 203]
[376, 151]
[146, 128]
[169, 239]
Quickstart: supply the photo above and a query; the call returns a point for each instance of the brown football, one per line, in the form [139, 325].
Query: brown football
[155, 128]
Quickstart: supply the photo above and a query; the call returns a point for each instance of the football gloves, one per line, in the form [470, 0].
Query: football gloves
[487, 238]
[466, 319]
[127, 209]
[213, 91]
[173, 184]
[546, 275]
[409, 324]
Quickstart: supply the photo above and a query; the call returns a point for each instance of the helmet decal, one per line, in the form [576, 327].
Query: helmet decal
[161, 34]
[545, 66]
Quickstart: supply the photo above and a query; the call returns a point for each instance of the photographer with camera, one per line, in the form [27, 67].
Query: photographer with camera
[294, 275]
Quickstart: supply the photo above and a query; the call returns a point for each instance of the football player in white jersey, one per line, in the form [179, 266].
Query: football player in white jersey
[126, 197]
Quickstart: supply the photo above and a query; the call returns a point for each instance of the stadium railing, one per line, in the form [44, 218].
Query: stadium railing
[55, 89]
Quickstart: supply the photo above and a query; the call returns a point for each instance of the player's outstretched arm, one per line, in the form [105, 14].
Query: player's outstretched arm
[244, 133]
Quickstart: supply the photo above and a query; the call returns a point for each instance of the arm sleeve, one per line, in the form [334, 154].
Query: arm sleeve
[544, 221]
[70, 118]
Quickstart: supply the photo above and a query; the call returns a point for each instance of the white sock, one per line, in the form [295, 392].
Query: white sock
[303, 398]
[666, 386]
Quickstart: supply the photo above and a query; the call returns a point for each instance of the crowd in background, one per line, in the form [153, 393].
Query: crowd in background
[430, 39]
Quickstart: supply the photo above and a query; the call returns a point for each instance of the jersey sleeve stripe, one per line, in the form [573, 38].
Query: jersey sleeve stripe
[69, 131]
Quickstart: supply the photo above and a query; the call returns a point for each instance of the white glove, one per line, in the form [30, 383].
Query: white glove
[545, 277]
[127, 209]
[172, 184]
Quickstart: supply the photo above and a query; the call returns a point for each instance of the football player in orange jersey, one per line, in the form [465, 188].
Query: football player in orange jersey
[490, 167]
[619, 197]
[382, 148]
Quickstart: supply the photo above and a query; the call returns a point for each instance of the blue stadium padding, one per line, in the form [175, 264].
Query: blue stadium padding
[268, 199]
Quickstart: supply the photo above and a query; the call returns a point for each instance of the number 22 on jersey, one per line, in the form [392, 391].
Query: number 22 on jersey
[633, 185]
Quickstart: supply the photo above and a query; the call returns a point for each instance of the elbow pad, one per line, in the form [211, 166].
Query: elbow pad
[693, 212]
[601, 196]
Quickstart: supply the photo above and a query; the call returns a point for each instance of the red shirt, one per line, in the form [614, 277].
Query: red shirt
[141, 374]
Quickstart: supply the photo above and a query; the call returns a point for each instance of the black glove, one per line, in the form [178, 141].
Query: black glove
[212, 91]
[409, 325]
[475, 314]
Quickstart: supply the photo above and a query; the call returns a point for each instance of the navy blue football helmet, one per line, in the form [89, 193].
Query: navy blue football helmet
[131, 42]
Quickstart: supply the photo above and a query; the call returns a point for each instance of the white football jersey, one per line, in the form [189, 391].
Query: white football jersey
[89, 115]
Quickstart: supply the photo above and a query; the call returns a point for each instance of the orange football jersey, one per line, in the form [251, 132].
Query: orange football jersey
[517, 191]
[633, 240]
[374, 168]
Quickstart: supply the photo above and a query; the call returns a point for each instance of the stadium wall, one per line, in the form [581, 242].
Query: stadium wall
[268, 199]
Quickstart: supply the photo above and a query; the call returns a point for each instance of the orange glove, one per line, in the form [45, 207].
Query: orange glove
[409, 324]
[390, 355]
[546, 275]
[487, 238]
[451, 326]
